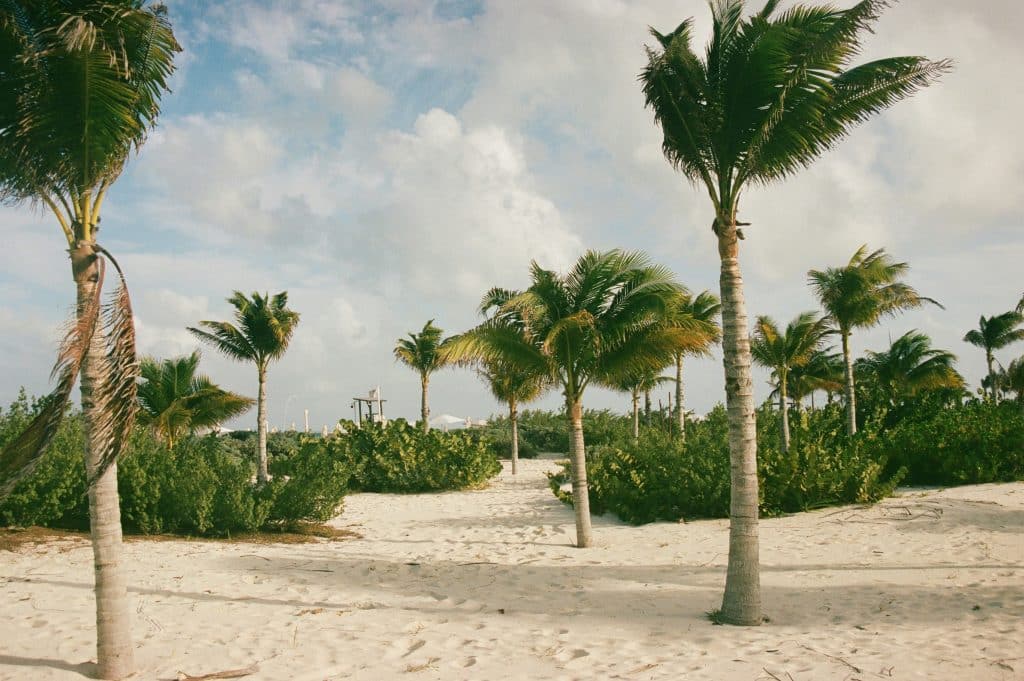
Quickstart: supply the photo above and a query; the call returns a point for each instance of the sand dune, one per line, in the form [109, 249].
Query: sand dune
[486, 585]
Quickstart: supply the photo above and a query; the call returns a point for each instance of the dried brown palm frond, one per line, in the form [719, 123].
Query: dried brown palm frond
[117, 390]
[21, 455]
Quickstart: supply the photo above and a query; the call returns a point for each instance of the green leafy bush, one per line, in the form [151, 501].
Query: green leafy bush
[201, 487]
[974, 443]
[401, 458]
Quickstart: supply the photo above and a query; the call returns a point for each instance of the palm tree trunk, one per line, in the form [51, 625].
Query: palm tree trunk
[851, 398]
[580, 491]
[513, 416]
[636, 416]
[424, 408]
[680, 414]
[262, 475]
[114, 649]
[785, 414]
[647, 407]
[991, 378]
[741, 603]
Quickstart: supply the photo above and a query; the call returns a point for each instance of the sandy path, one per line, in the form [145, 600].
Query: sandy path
[485, 585]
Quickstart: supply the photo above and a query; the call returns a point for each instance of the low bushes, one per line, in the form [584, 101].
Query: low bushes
[401, 458]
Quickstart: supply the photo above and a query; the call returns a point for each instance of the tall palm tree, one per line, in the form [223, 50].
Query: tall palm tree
[599, 323]
[175, 401]
[995, 333]
[80, 87]
[858, 295]
[772, 93]
[513, 386]
[425, 352]
[910, 366]
[265, 328]
[699, 314]
[782, 351]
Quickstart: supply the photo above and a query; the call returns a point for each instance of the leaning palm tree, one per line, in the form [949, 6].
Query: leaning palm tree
[995, 333]
[80, 87]
[698, 314]
[782, 351]
[424, 352]
[910, 366]
[859, 295]
[512, 385]
[771, 94]
[599, 323]
[174, 400]
[265, 328]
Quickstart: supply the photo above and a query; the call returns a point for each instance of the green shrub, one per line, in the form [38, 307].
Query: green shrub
[320, 473]
[974, 443]
[401, 458]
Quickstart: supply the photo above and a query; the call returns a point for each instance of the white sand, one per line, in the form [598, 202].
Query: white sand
[925, 586]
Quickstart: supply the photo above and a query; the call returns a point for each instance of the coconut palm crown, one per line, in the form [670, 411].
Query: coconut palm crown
[262, 331]
[80, 87]
[857, 296]
[995, 333]
[770, 95]
[176, 400]
[597, 324]
[425, 353]
[784, 350]
[910, 365]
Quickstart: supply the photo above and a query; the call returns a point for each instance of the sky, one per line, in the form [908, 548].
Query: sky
[387, 162]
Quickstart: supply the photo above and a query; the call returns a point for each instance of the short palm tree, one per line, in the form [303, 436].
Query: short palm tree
[824, 370]
[80, 88]
[1013, 379]
[597, 324]
[772, 93]
[910, 366]
[424, 352]
[857, 296]
[264, 329]
[995, 333]
[174, 400]
[513, 386]
[635, 385]
[782, 351]
[699, 314]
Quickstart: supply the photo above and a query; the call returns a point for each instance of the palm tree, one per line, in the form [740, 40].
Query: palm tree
[995, 333]
[513, 386]
[80, 87]
[599, 323]
[265, 327]
[782, 351]
[858, 295]
[174, 401]
[824, 370]
[635, 385]
[1013, 379]
[699, 315]
[771, 94]
[424, 352]
[910, 366]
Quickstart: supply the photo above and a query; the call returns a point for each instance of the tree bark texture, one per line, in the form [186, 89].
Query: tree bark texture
[580, 491]
[851, 395]
[262, 475]
[784, 409]
[114, 648]
[424, 408]
[513, 416]
[680, 412]
[991, 376]
[741, 603]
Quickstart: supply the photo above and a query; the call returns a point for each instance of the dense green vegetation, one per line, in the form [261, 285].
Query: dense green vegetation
[661, 478]
[206, 485]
